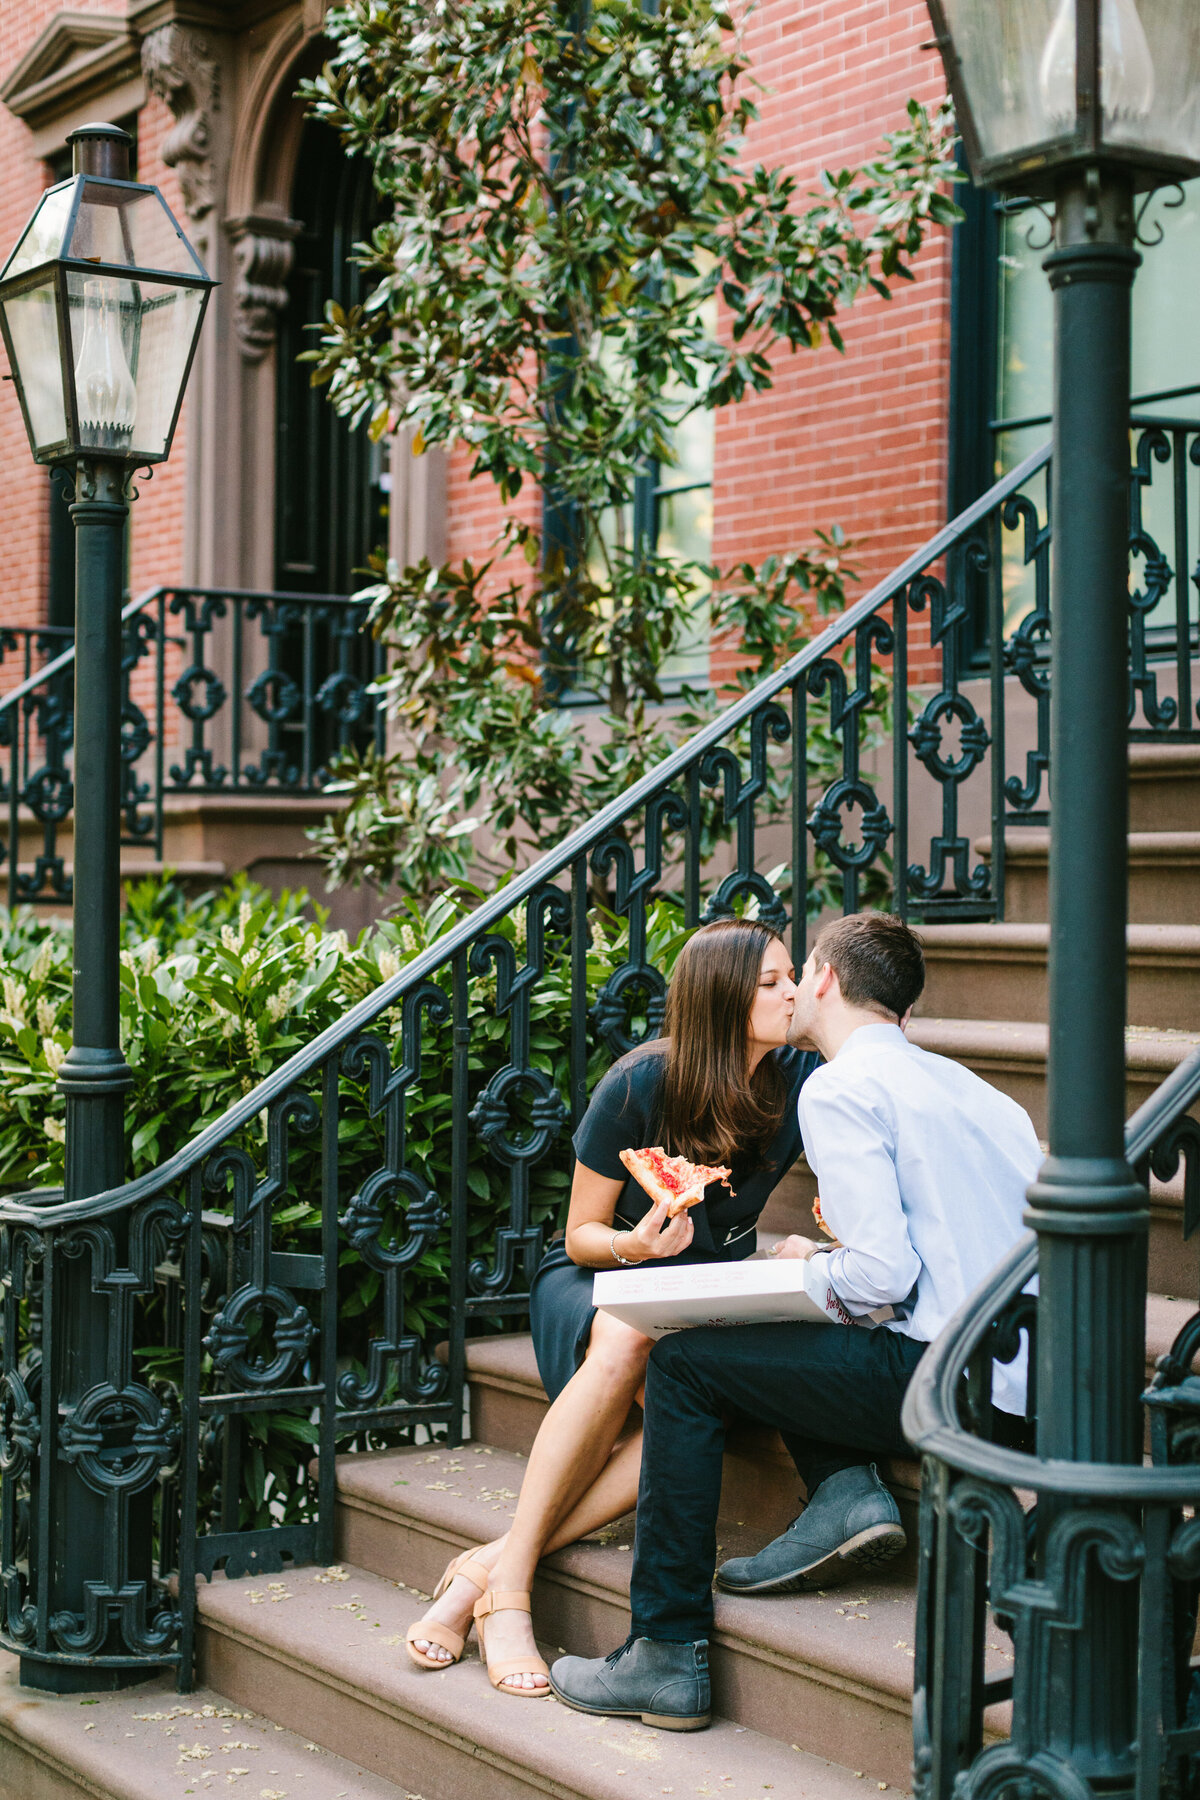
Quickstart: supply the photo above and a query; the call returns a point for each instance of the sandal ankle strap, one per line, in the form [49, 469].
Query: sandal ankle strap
[500, 1600]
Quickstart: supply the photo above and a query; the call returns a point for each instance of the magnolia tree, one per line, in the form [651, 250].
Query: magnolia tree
[569, 205]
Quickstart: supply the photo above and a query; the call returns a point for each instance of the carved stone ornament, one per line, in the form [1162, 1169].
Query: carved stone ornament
[179, 66]
[263, 250]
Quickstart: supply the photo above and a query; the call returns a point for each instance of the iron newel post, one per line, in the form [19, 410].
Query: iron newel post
[1090, 1212]
[1082, 104]
[101, 305]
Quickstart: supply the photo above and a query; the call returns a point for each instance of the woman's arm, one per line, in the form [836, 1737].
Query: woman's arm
[589, 1239]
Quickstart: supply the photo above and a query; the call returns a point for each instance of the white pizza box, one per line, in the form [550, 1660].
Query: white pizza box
[656, 1301]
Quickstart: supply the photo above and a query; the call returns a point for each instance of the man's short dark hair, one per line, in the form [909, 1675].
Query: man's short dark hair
[878, 961]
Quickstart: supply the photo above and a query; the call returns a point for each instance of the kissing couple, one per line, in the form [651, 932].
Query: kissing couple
[922, 1169]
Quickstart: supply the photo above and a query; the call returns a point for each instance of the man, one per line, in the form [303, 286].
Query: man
[922, 1169]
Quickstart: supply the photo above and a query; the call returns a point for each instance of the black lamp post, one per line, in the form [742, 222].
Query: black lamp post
[1084, 103]
[101, 305]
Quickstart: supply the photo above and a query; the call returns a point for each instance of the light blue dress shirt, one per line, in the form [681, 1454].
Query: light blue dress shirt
[922, 1169]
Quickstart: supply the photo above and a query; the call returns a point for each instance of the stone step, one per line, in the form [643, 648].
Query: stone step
[329, 1661]
[1164, 876]
[830, 1673]
[999, 972]
[1164, 787]
[149, 1743]
[1011, 1054]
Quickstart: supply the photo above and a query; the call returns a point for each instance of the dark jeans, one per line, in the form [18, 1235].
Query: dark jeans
[833, 1391]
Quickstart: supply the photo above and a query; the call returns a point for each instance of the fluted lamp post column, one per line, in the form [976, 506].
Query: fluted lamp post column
[1082, 104]
[101, 304]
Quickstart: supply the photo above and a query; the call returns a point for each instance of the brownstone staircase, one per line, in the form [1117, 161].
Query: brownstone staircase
[812, 1692]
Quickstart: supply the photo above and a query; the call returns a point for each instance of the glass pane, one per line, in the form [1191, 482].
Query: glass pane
[31, 328]
[1018, 66]
[132, 226]
[685, 528]
[1151, 74]
[130, 345]
[170, 321]
[42, 237]
[1166, 357]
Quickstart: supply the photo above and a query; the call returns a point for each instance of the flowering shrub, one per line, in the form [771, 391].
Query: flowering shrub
[217, 992]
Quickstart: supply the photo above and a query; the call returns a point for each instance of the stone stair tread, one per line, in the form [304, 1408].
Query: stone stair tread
[1000, 937]
[355, 1649]
[1033, 841]
[1148, 760]
[127, 1746]
[810, 1628]
[1028, 1040]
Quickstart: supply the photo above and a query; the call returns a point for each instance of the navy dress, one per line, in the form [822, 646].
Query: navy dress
[624, 1115]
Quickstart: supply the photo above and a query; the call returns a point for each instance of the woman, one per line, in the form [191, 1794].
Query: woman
[719, 1087]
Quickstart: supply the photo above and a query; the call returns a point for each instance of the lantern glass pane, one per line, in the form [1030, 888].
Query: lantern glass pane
[1018, 68]
[31, 327]
[130, 226]
[42, 238]
[1150, 80]
[130, 346]
[169, 324]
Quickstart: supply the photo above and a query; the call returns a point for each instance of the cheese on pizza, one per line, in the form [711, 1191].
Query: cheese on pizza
[672, 1179]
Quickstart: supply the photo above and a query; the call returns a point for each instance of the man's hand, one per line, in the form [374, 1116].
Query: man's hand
[797, 1246]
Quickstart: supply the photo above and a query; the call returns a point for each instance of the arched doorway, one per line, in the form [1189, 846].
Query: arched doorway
[330, 483]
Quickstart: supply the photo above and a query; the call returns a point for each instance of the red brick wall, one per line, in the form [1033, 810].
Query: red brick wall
[156, 547]
[859, 439]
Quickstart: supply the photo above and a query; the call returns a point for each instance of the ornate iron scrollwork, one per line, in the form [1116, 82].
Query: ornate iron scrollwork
[847, 711]
[547, 911]
[950, 850]
[394, 1355]
[1025, 654]
[635, 888]
[1153, 446]
[741, 794]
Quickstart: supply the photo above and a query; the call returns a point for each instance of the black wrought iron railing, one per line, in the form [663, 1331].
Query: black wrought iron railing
[225, 691]
[983, 1571]
[197, 1262]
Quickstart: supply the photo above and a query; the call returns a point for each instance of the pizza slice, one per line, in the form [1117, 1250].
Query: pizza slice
[819, 1216]
[672, 1178]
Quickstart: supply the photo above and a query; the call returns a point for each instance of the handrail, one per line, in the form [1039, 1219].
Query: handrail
[539, 872]
[133, 607]
[49, 670]
[929, 1419]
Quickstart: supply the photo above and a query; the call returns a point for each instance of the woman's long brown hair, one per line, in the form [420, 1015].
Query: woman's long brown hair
[712, 1107]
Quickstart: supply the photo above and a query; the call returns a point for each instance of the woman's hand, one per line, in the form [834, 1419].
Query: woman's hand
[654, 1237]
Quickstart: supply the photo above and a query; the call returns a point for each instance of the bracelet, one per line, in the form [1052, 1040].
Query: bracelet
[626, 1262]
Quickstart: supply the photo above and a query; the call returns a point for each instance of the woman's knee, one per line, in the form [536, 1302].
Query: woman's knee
[620, 1349]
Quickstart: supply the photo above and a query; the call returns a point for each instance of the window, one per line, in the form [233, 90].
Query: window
[1002, 349]
[671, 515]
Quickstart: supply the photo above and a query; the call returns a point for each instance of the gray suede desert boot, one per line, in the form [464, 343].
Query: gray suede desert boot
[660, 1684]
[850, 1524]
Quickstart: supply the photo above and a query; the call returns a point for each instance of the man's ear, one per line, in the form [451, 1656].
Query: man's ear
[826, 981]
[904, 1019]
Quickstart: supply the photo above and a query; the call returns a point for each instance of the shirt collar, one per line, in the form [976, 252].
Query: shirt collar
[865, 1035]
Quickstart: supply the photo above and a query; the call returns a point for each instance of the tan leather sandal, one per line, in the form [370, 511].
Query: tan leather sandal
[498, 1672]
[433, 1633]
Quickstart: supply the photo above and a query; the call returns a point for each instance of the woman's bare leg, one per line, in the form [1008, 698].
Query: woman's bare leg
[570, 1454]
[611, 1496]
